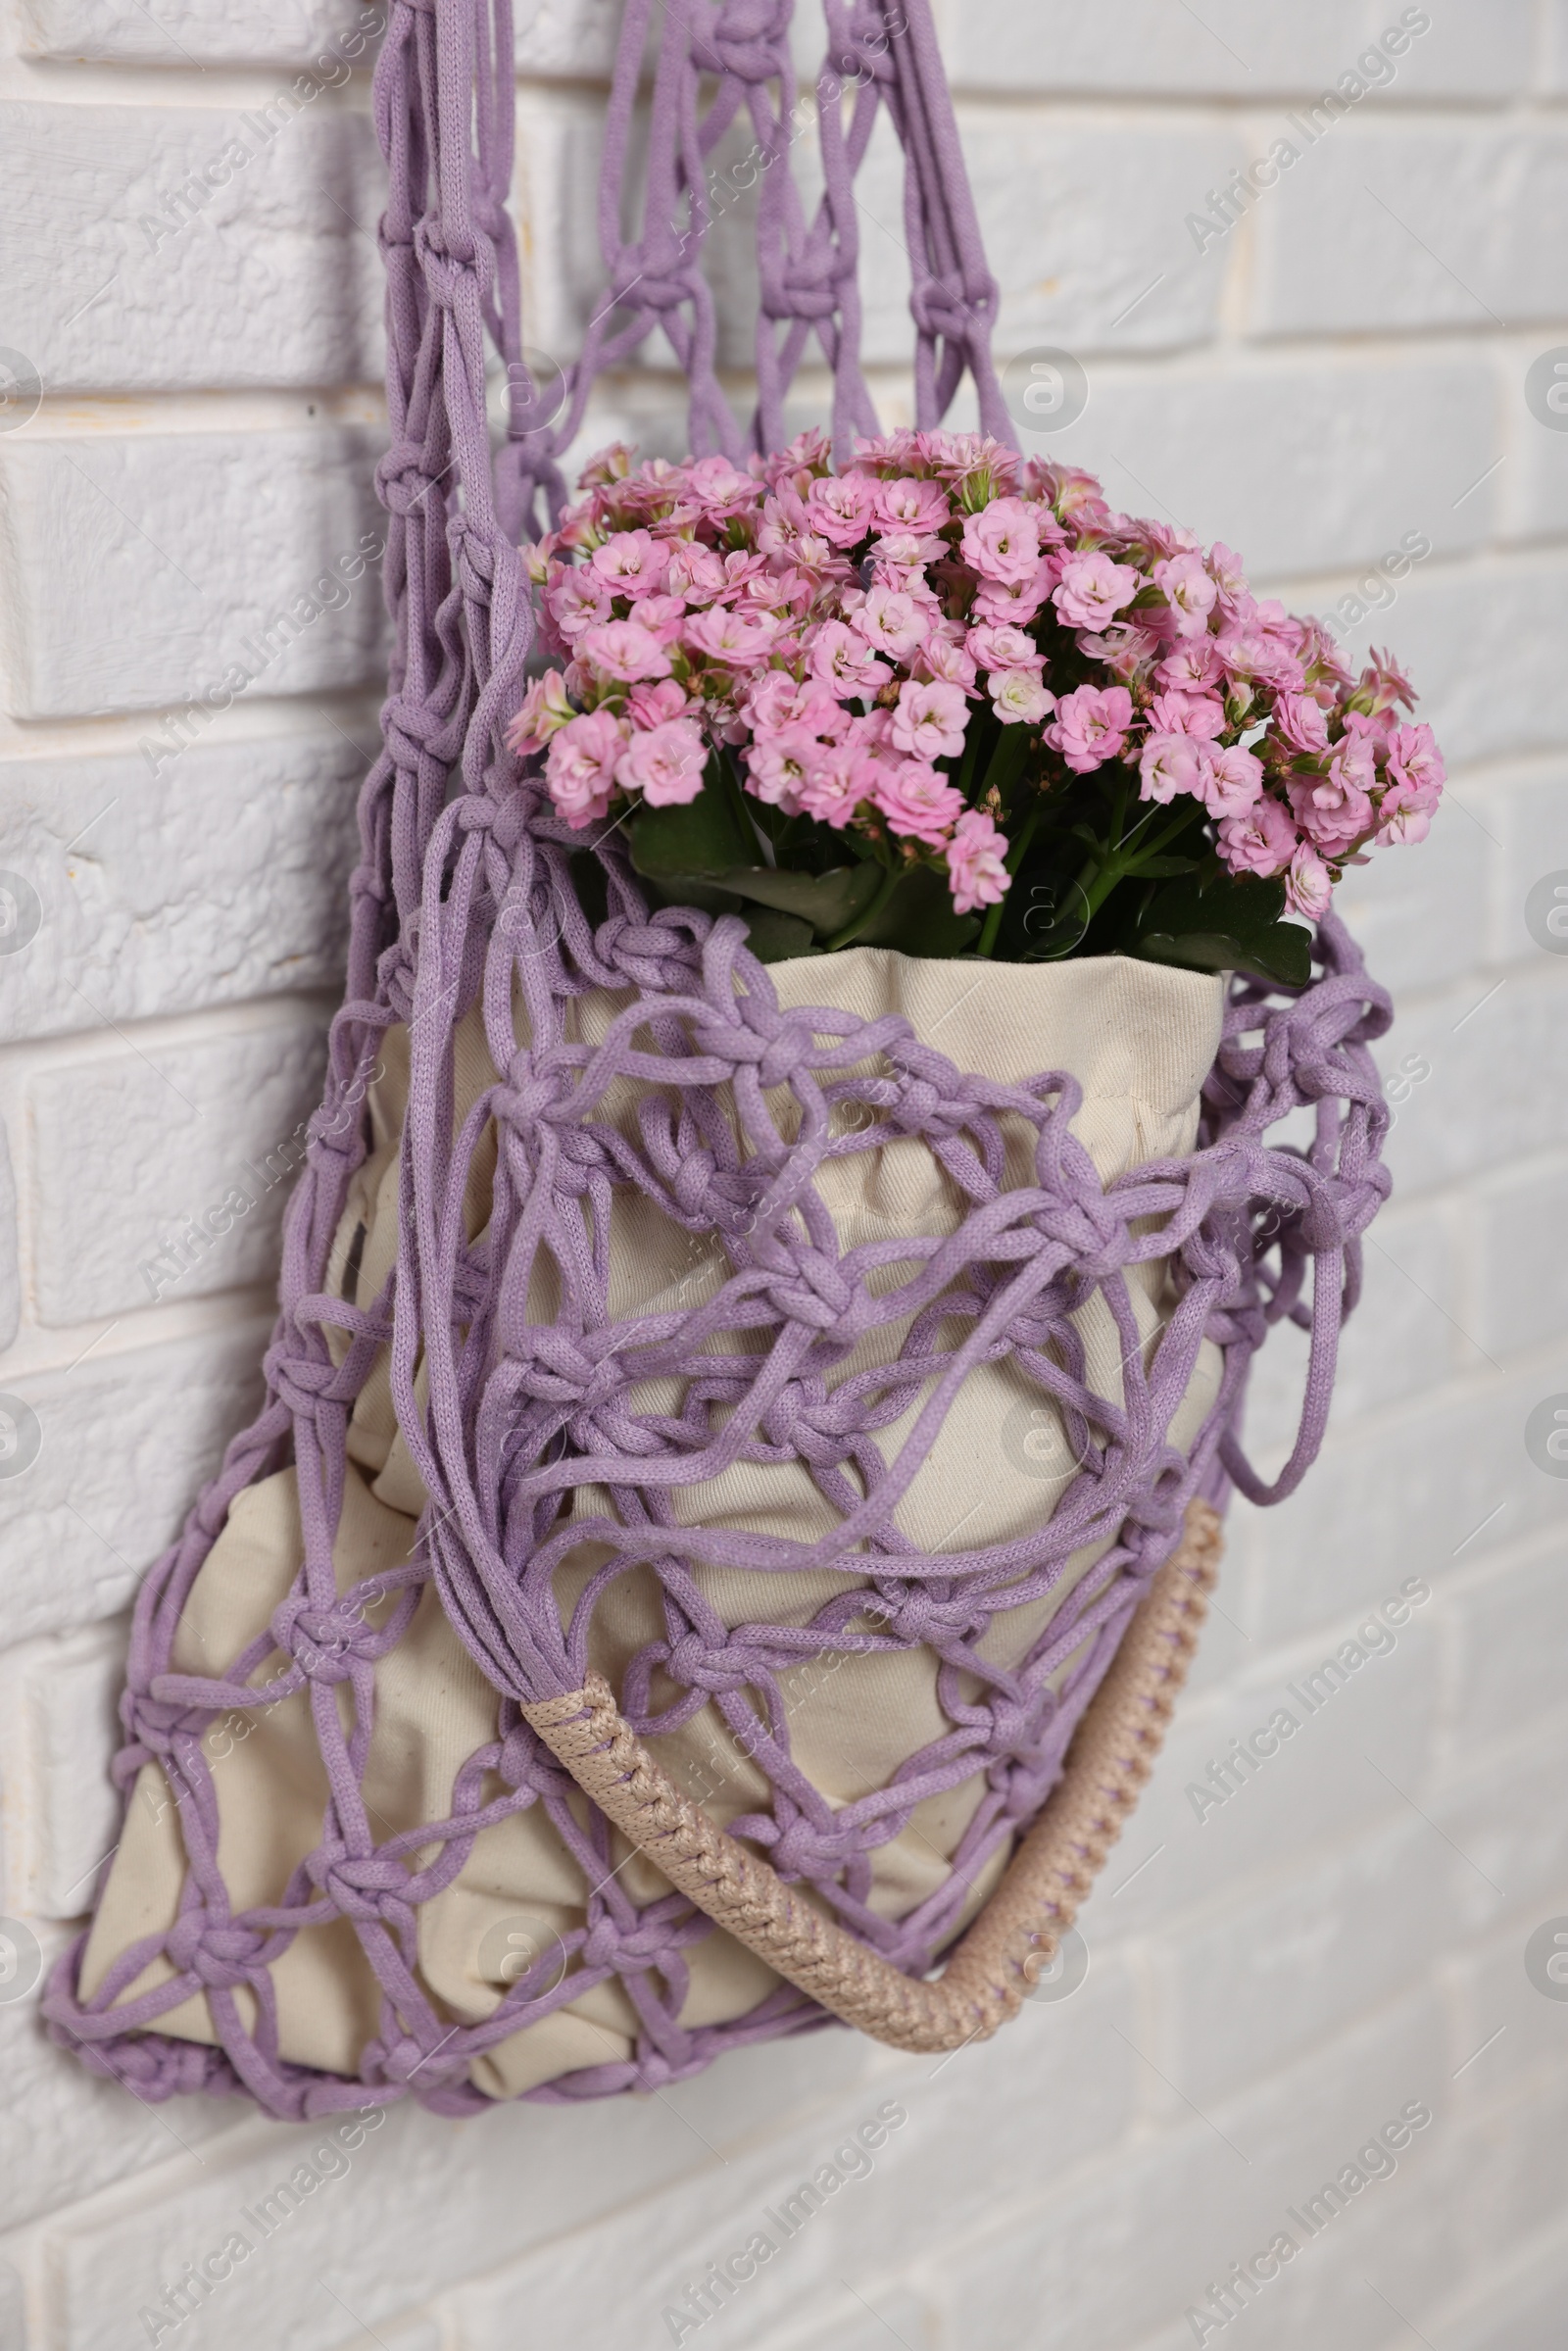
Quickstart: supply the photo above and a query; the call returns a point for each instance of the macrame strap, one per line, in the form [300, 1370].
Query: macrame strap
[997, 1963]
[726, 67]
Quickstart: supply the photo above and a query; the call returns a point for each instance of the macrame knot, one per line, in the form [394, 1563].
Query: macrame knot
[941, 306]
[809, 288]
[802, 1850]
[220, 1953]
[303, 1384]
[157, 1725]
[443, 271]
[370, 1887]
[624, 1950]
[403, 2058]
[696, 1666]
[534, 1088]
[326, 1644]
[401, 480]
[747, 40]
[819, 1293]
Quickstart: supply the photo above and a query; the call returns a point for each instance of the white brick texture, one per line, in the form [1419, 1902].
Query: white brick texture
[192, 640]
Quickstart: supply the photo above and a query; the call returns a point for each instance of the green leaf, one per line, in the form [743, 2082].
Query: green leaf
[774, 938]
[706, 837]
[826, 901]
[1157, 869]
[918, 918]
[1282, 953]
[1241, 906]
[1211, 920]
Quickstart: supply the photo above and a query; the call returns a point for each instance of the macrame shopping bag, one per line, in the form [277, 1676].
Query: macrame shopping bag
[744, 1444]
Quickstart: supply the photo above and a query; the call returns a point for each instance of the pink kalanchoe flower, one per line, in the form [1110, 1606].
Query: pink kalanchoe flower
[716, 485]
[624, 650]
[1002, 541]
[938, 657]
[1254, 653]
[1178, 713]
[835, 785]
[1093, 589]
[1301, 723]
[575, 602]
[1385, 682]
[649, 706]
[580, 766]
[1403, 818]
[1230, 781]
[1019, 698]
[842, 659]
[738, 640]
[776, 700]
[1013, 604]
[916, 800]
[545, 709]
[778, 766]
[891, 621]
[1416, 763]
[911, 504]
[631, 564]
[663, 616]
[1189, 591]
[1225, 570]
[1334, 810]
[1168, 763]
[840, 508]
[1125, 647]
[1005, 648]
[976, 872]
[929, 720]
[665, 763]
[1309, 884]
[1263, 842]
[1191, 666]
[1091, 726]
[694, 571]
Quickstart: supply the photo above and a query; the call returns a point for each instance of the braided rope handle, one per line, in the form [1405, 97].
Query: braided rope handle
[997, 1963]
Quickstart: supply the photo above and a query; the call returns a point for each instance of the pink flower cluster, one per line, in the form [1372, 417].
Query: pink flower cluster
[840, 634]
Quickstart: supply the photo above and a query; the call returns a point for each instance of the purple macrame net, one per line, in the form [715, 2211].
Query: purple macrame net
[463, 896]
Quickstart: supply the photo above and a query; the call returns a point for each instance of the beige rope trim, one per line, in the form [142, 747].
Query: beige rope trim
[992, 1971]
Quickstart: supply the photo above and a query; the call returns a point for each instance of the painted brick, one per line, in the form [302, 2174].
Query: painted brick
[199, 33]
[1183, 1850]
[178, 560]
[1526, 810]
[1259, 1983]
[1312, 1952]
[1478, 638]
[129, 1148]
[372, 2235]
[1302, 469]
[152, 256]
[1495, 1045]
[1233, 49]
[69, 2134]
[1375, 229]
[69, 1692]
[128, 1439]
[220, 876]
[1417, 918]
[1508, 1627]
[9, 1263]
[1521, 1283]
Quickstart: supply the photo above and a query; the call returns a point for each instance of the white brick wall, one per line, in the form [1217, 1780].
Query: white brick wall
[1343, 1936]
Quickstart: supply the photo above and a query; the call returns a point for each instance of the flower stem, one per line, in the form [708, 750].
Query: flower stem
[853, 929]
[986, 944]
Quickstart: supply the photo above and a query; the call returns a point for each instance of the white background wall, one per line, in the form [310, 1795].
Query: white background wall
[1346, 1934]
